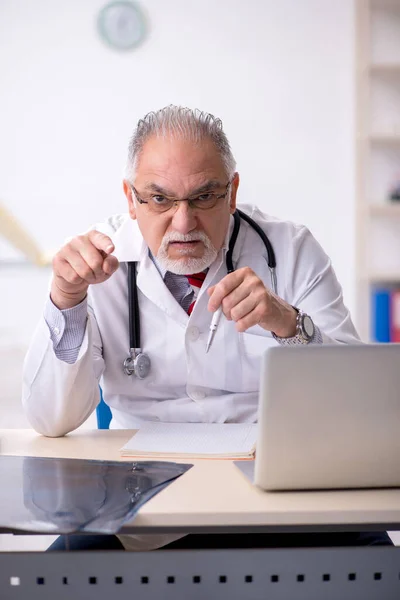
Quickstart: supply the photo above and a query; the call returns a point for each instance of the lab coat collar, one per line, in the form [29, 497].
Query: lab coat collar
[128, 241]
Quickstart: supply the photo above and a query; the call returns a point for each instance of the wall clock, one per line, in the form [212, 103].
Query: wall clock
[122, 25]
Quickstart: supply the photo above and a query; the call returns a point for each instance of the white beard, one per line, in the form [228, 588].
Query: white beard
[186, 265]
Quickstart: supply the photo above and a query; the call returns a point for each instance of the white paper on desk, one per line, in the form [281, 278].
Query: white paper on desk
[193, 440]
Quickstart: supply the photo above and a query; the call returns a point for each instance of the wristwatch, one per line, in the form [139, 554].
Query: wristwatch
[305, 330]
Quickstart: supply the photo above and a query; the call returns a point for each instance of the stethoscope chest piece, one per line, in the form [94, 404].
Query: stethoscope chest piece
[138, 365]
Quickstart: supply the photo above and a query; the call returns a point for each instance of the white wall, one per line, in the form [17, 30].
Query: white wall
[279, 74]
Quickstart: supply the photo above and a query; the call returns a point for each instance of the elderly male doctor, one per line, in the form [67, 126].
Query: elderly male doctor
[181, 185]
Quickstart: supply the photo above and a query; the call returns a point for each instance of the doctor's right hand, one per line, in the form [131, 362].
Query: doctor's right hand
[85, 260]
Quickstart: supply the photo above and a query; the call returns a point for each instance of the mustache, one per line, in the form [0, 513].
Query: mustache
[192, 236]
[186, 264]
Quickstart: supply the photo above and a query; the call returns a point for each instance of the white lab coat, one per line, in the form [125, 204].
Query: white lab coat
[185, 383]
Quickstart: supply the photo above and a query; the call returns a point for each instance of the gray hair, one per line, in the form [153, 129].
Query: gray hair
[183, 123]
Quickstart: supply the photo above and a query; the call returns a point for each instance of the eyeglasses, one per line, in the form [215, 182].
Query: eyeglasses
[158, 203]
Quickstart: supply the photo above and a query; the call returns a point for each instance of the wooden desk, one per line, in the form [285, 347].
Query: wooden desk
[215, 496]
[212, 496]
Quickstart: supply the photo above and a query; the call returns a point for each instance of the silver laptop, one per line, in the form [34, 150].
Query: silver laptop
[329, 417]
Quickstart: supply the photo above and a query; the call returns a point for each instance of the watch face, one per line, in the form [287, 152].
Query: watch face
[308, 326]
[121, 24]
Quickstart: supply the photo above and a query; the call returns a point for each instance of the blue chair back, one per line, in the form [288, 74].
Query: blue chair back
[103, 413]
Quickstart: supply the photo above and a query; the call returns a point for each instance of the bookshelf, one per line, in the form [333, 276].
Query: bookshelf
[384, 209]
[388, 68]
[377, 155]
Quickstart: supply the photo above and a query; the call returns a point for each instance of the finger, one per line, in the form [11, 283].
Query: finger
[211, 290]
[91, 255]
[223, 288]
[234, 298]
[81, 267]
[243, 308]
[249, 320]
[101, 241]
[67, 272]
[110, 264]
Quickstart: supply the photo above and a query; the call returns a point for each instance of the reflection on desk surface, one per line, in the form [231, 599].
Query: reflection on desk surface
[63, 495]
[188, 504]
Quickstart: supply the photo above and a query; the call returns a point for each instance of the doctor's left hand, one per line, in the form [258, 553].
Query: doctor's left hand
[246, 301]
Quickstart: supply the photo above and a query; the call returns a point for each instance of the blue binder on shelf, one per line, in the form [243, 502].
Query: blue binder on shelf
[380, 314]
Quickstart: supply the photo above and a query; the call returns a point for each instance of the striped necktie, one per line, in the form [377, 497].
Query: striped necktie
[195, 281]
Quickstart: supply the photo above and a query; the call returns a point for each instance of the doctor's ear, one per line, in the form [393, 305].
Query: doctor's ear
[234, 189]
[131, 200]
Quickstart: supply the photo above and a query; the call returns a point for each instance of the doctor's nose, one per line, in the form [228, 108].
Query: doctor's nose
[184, 219]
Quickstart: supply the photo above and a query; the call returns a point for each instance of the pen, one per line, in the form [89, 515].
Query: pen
[213, 327]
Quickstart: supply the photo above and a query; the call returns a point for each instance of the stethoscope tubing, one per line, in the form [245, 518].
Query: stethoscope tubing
[133, 301]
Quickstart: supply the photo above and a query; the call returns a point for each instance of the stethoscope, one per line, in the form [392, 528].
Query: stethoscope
[138, 363]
